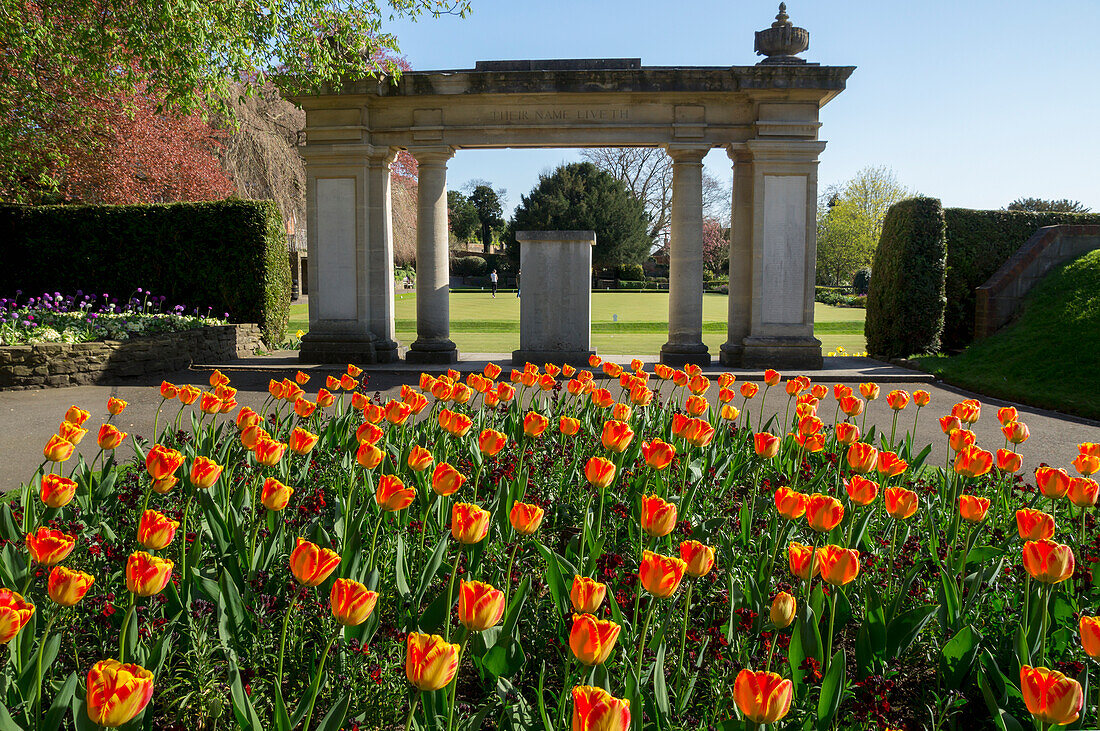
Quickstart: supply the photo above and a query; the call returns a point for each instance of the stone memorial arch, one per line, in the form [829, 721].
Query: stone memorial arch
[764, 116]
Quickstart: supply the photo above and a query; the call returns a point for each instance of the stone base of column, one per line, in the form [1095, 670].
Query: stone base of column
[359, 352]
[680, 354]
[432, 352]
[782, 352]
[388, 351]
[732, 354]
[557, 357]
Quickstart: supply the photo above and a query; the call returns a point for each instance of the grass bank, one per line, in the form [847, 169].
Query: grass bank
[1048, 356]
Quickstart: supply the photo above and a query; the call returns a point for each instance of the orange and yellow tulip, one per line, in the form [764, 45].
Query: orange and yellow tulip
[1047, 561]
[168, 391]
[869, 391]
[922, 398]
[973, 509]
[765, 444]
[862, 457]
[311, 564]
[490, 442]
[839, 566]
[973, 461]
[823, 513]
[525, 518]
[397, 412]
[48, 546]
[661, 575]
[147, 574]
[67, 587]
[1086, 464]
[205, 472]
[368, 433]
[699, 559]
[117, 692]
[762, 697]
[901, 503]
[790, 504]
[803, 560]
[480, 606]
[594, 709]
[110, 437]
[71, 433]
[268, 452]
[1034, 525]
[1050, 696]
[1083, 492]
[658, 454]
[890, 465]
[967, 411]
[1090, 636]
[1008, 461]
[15, 612]
[430, 661]
[162, 462]
[616, 436]
[1052, 482]
[861, 491]
[301, 442]
[587, 594]
[156, 531]
[57, 449]
[469, 523]
[446, 480]
[697, 433]
[392, 495]
[658, 516]
[599, 472]
[897, 399]
[57, 491]
[420, 459]
[1016, 432]
[368, 456]
[783, 610]
[275, 495]
[592, 640]
[534, 424]
[749, 390]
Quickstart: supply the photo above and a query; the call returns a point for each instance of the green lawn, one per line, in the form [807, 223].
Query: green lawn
[622, 322]
[1048, 356]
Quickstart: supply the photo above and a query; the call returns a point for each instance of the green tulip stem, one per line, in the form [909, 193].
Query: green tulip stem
[829, 640]
[1043, 627]
[317, 679]
[893, 428]
[454, 682]
[412, 711]
[683, 633]
[374, 537]
[450, 597]
[763, 396]
[282, 642]
[125, 626]
[584, 531]
[771, 650]
[38, 673]
[183, 535]
[508, 576]
[645, 631]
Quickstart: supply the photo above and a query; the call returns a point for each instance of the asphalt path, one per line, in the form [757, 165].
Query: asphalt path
[28, 418]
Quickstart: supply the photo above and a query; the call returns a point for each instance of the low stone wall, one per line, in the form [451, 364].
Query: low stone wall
[50, 365]
[1001, 295]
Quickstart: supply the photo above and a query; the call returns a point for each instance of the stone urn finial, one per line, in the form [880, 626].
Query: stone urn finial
[782, 41]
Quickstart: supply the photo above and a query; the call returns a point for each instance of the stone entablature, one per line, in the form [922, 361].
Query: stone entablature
[48, 365]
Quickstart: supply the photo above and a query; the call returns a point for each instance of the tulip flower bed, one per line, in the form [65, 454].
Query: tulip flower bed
[81, 318]
[604, 549]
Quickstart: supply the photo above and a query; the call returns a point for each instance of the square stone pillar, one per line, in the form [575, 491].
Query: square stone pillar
[739, 318]
[350, 254]
[784, 254]
[555, 312]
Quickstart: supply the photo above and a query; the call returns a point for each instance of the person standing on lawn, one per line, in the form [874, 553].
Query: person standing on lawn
[517, 282]
[493, 281]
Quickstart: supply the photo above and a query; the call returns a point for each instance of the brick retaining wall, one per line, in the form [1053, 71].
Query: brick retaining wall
[48, 365]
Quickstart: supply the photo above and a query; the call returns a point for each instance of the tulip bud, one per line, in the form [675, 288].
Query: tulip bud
[783, 609]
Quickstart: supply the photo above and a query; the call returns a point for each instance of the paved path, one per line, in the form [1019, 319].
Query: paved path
[30, 417]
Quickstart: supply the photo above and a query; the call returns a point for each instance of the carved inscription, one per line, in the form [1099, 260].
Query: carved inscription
[536, 116]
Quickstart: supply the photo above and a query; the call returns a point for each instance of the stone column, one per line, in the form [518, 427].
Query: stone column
[739, 319]
[685, 270]
[784, 254]
[337, 216]
[433, 311]
[380, 254]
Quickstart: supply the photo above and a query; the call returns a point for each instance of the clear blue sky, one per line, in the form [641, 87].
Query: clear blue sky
[974, 102]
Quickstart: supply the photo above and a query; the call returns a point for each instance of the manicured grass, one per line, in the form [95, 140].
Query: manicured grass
[1048, 356]
[622, 322]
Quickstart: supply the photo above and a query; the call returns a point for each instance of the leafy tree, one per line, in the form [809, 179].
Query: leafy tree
[489, 211]
[872, 190]
[647, 172]
[716, 245]
[580, 196]
[844, 242]
[1063, 205]
[462, 216]
[58, 56]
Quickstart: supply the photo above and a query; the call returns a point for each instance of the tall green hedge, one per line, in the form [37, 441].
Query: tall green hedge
[978, 243]
[905, 304]
[228, 255]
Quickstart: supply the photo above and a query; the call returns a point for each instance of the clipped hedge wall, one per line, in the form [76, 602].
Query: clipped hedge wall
[228, 255]
[905, 304]
[978, 243]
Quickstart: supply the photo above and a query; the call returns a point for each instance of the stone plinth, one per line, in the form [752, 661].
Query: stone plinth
[555, 312]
